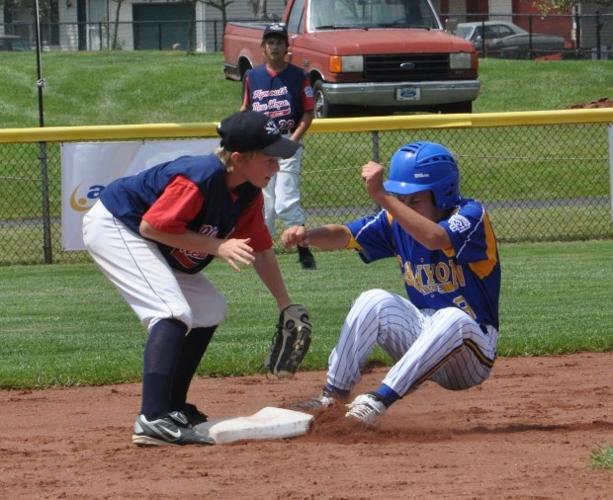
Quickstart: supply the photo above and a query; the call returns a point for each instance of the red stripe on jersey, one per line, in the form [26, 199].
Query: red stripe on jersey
[308, 103]
[250, 224]
[246, 93]
[178, 205]
[183, 259]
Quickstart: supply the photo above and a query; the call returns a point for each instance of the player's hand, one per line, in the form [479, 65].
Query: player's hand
[372, 175]
[295, 235]
[236, 252]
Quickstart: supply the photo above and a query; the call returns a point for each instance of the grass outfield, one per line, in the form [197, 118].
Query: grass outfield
[533, 167]
[66, 325]
[100, 88]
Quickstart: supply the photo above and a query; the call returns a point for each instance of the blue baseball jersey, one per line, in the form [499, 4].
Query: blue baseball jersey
[283, 96]
[129, 198]
[465, 276]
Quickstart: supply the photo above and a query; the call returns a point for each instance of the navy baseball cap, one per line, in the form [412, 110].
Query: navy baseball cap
[253, 131]
[277, 30]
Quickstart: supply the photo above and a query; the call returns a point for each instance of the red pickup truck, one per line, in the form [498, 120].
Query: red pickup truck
[376, 55]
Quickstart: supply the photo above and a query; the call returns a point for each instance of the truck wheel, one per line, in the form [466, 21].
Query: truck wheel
[244, 68]
[323, 108]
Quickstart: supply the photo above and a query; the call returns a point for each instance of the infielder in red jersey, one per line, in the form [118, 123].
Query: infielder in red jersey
[152, 233]
[447, 328]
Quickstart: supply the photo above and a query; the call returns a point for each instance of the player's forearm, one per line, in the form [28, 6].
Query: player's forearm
[427, 232]
[267, 267]
[329, 237]
[190, 240]
[302, 127]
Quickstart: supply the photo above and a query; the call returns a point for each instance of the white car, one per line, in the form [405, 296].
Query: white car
[505, 39]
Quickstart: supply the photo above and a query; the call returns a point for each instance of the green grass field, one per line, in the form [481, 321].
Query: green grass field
[160, 87]
[66, 325]
[95, 88]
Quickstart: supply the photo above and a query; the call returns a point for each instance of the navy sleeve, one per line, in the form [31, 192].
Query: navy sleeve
[467, 229]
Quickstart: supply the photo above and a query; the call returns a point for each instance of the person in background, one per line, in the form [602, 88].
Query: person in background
[283, 92]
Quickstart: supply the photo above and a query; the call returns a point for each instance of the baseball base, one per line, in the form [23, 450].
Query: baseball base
[268, 423]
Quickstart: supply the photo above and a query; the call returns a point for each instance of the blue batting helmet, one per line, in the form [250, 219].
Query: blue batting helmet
[422, 166]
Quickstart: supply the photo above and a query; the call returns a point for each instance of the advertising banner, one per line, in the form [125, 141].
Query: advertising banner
[88, 167]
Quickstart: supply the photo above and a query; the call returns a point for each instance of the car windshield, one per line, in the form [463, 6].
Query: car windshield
[347, 14]
[463, 31]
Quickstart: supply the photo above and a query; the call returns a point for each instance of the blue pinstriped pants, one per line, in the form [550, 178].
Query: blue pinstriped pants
[446, 345]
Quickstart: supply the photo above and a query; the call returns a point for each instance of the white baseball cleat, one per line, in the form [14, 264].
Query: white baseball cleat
[366, 408]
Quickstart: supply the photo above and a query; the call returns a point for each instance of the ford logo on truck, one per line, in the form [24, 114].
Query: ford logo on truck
[407, 65]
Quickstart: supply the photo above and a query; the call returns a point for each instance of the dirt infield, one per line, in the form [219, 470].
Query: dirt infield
[528, 432]
[603, 102]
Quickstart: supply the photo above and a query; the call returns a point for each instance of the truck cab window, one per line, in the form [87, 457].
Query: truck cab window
[295, 17]
[339, 14]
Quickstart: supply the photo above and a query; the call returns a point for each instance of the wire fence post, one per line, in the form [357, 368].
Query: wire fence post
[214, 34]
[44, 177]
[42, 148]
[376, 152]
[483, 47]
[530, 47]
[578, 32]
[375, 146]
[599, 25]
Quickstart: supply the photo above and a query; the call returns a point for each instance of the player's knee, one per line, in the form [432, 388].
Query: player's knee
[211, 313]
[374, 298]
[149, 323]
[461, 320]
[219, 310]
[452, 323]
[456, 315]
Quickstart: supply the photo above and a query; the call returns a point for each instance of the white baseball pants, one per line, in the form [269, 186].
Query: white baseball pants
[149, 285]
[446, 346]
[282, 194]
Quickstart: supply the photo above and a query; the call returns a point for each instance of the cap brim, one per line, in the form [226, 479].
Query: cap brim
[396, 187]
[283, 148]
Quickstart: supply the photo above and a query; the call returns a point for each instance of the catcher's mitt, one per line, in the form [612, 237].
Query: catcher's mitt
[290, 342]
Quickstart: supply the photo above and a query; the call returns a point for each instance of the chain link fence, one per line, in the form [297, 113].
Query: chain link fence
[586, 35]
[540, 181]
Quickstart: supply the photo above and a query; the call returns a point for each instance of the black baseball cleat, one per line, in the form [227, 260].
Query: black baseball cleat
[194, 415]
[325, 399]
[171, 429]
[306, 259]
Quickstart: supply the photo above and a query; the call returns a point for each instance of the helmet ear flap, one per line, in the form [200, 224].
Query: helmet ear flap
[448, 198]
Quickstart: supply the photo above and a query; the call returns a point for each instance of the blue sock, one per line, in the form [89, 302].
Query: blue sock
[162, 353]
[387, 395]
[337, 391]
[194, 346]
